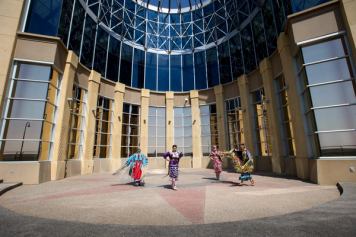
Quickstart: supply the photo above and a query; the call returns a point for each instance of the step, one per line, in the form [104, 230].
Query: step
[4, 187]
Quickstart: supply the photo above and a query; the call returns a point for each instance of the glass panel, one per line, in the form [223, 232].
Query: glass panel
[328, 71]
[176, 73]
[212, 67]
[138, 71]
[19, 129]
[113, 59]
[77, 29]
[100, 51]
[33, 72]
[88, 42]
[26, 109]
[126, 64]
[224, 63]
[30, 90]
[188, 72]
[336, 118]
[151, 71]
[200, 70]
[321, 51]
[43, 17]
[163, 72]
[342, 143]
[333, 94]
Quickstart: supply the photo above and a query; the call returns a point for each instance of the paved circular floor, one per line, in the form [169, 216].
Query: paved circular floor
[200, 199]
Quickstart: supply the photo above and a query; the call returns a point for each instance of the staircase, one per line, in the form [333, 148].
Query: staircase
[4, 187]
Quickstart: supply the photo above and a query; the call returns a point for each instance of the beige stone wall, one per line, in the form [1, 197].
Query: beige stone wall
[89, 131]
[348, 9]
[10, 16]
[220, 113]
[274, 127]
[117, 125]
[145, 98]
[196, 129]
[60, 145]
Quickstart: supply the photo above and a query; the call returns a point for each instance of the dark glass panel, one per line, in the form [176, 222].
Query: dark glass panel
[248, 49]
[259, 37]
[212, 67]
[88, 42]
[224, 62]
[163, 72]
[43, 17]
[188, 72]
[100, 51]
[200, 70]
[151, 71]
[176, 73]
[113, 59]
[77, 28]
[66, 16]
[236, 56]
[126, 64]
[322, 51]
[138, 71]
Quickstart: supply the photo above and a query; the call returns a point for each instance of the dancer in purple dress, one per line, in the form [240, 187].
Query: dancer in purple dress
[216, 158]
[173, 157]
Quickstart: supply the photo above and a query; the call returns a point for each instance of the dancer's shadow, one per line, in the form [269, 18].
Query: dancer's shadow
[232, 183]
[124, 184]
[166, 186]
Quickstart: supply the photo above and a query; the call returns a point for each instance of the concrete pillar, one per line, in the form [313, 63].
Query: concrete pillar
[196, 129]
[145, 100]
[169, 120]
[348, 9]
[247, 113]
[117, 125]
[220, 113]
[60, 144]
[290, 75]
[10, 17]
[89, 130]
[272, 113]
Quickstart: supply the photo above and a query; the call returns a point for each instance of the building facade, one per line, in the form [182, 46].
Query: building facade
[84, 83]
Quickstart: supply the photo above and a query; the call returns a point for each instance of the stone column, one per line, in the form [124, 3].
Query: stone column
[10, 17]
[274, 127]
[220, 113]
[145, 100]
[247, 113]
[89, 131]
[117, 126]
[348, 13]
[60, 144]
[169, 120]
[290, 75]
[196, 129]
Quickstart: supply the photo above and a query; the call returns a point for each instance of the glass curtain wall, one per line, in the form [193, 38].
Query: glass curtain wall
[209, 128]
[234, 122]
[284, 116]
[183, 129]
[156, 131]
[262, 136]
[28, 120]
[103, 133]
[77, 122]
[179, 51]
[130, 130]
[329, 87]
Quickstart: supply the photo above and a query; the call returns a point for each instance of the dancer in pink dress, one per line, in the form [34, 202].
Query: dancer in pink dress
[216, 156]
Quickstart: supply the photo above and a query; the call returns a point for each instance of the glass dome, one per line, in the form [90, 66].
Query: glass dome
[173, 6]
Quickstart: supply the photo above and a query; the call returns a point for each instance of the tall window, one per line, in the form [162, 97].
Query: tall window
[130, 129]
[330, 98]
[284, 114]
[77, 122]
[183, 129]
[262, 141]
[156, 131]
[209, 127]
[104, 114]
[28, 119]
[234, 122]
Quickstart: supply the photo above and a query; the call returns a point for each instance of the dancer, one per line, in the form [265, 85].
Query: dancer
[173, 157]
[137, 162]
[244, 165]
[216, 157]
